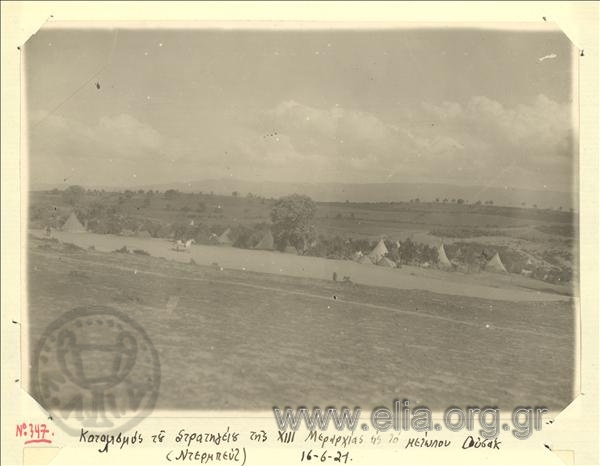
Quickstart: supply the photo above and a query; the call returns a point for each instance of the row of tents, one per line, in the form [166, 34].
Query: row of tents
[267, 242]
[74, 225]
[378, 254]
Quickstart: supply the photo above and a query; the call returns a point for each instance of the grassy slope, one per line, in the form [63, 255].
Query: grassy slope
[250, 341]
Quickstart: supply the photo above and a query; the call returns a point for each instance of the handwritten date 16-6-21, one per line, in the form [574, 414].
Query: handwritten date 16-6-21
[325, 456]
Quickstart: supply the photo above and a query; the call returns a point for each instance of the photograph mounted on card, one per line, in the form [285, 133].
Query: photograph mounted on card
[267, 242]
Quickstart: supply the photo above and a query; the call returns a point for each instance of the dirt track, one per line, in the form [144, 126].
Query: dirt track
[486, 286]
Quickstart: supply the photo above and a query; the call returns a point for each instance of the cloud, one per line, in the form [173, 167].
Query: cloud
[480, 141]
[130, 137]
[527, 135]
[120, 136]
[117, 148]
[318, 129]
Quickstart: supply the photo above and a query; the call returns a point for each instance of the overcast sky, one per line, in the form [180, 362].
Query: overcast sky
[453, 106]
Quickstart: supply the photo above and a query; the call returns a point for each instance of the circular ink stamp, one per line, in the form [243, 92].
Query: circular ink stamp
[96, 368]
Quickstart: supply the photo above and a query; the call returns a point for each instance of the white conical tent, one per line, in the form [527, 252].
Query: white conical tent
[442, 257]
[365, 260]
[73, 224]
[495, 264]
[385, 262]
[378, 251]
[290, 250]
[357, 255]
[224, 238]
[267, 242]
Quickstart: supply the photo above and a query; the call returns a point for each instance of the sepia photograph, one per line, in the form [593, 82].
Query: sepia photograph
[242, 218]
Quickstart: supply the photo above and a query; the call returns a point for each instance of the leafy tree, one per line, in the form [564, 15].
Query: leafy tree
[292, 218]
[242, 236]
[73, 195]
[171, 194]
[406, 251]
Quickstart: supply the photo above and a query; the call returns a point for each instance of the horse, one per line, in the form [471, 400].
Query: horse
[180, 246]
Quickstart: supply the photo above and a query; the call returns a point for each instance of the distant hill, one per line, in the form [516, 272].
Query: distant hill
[370, 192]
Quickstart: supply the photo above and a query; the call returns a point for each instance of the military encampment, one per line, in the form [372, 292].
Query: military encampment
[317, 215]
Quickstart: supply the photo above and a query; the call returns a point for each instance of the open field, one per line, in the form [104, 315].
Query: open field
[326, 343]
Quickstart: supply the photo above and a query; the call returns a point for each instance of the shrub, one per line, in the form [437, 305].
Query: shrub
[411, 253]
[70, 247]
